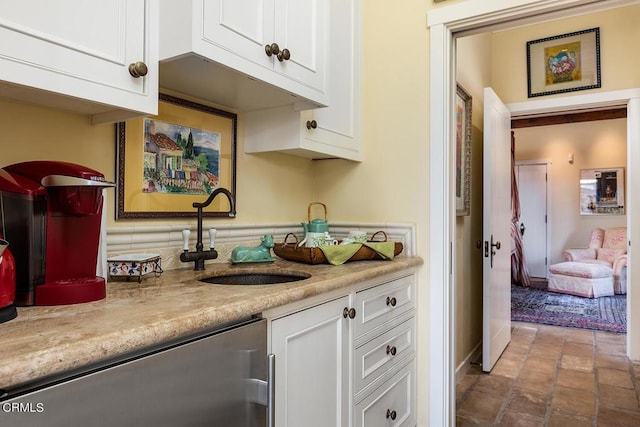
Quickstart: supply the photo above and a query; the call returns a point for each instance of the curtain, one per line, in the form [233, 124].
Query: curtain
[519, 270]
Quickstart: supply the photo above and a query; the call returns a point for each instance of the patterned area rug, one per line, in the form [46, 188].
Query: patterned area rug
[551, 308]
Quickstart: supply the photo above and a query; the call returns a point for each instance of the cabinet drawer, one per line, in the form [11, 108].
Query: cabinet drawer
[379, 304]
[391, 404]
[378, 355]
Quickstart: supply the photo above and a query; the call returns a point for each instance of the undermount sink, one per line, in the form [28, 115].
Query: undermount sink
[255, 278]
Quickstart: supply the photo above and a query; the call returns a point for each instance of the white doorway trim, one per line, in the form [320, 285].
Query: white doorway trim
[445, 24]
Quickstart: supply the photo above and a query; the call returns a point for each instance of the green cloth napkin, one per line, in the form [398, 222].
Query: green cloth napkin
[385, 249]
[339, 254]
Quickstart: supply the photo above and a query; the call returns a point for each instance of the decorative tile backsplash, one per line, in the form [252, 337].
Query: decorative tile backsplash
[167, 240]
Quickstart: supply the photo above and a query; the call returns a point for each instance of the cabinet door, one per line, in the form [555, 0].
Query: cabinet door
[300, 27]
[80, 48]
[312, 366]
[334, 131]
[338, 127]
[243, 27]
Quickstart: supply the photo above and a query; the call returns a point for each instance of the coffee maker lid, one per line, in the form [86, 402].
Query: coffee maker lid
[71, 181]
[38, 169]
[15, 183]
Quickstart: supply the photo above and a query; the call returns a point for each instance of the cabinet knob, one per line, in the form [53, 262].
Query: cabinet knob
[391, 350]
[283, 55]
[391, 414]
[272, 49]
[349, 312]
[312, 124]
[391, 301]
[138, 69]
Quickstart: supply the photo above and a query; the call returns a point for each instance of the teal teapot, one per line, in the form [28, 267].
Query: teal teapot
[315, 227]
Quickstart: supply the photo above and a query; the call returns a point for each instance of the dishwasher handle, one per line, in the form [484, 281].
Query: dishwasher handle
[264, 392]
[271, 390]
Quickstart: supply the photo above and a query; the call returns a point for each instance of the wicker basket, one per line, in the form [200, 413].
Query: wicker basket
[292, 252]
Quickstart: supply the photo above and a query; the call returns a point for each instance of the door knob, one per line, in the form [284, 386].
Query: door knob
[495, 245]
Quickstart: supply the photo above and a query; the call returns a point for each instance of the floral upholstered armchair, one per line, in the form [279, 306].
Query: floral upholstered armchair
[606, 247]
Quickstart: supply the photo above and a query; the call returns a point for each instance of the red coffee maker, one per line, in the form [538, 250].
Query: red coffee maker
[52, 215]
[7, 283]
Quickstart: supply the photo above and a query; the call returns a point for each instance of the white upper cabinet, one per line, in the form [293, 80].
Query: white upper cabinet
[331, 132]
[246, 54]
[77, 55]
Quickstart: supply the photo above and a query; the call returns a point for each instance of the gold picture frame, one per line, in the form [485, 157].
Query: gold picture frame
[160, 175]
[464, 128]
[564, 63]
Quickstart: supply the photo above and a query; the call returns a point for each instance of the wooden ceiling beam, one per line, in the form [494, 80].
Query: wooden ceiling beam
[588, 116]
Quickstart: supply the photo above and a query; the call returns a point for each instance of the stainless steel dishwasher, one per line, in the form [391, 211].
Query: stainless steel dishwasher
[220, 377]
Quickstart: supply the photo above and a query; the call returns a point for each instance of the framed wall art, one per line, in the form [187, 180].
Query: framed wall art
[463, 150]
[564, 63]
[167, 162]
[602, 191]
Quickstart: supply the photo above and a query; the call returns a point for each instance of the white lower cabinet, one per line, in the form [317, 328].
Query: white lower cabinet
[348, 361]
[312, 365]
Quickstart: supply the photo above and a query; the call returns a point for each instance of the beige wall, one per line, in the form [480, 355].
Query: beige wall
[474, 74]
[619, 30]
[36, 133]
[601, 144]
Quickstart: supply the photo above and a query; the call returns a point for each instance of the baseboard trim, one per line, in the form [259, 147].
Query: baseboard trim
[473, 357]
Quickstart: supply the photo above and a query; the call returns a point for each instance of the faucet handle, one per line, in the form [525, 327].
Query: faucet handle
[185, 238]
[212, 237]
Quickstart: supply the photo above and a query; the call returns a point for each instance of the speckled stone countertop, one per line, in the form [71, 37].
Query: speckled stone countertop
[45, 340]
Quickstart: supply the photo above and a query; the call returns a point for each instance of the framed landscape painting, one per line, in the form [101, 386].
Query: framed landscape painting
[169, 161]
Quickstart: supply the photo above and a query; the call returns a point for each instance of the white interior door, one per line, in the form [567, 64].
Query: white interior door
[532, 185]
[496, 226]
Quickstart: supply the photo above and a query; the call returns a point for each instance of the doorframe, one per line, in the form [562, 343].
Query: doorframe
[549, 210]
[445, 24]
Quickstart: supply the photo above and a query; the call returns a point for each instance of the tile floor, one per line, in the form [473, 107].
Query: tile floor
[553, 376]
